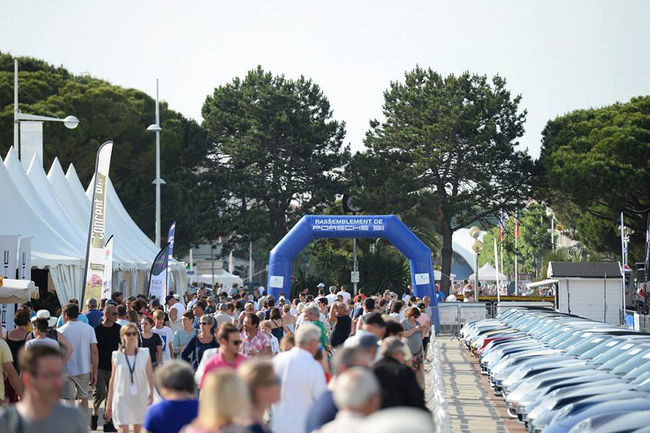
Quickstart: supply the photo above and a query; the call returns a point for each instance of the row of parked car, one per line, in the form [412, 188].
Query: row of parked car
[560, 373]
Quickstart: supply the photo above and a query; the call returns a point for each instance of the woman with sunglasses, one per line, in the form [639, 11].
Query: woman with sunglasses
[264, 387]
[130, 390]
[193, 351]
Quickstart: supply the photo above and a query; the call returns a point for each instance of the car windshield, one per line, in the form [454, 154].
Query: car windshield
[599, 349]
[582, 347]
[639, 359]
[612, 357]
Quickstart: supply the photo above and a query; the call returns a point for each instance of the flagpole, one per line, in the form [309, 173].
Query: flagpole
[516, 253]
[496, 262]
[516, 270]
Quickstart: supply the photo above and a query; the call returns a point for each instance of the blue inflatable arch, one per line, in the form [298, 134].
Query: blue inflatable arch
[389, 227]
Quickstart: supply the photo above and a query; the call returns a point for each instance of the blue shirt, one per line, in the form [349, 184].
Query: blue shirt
[170, 416]
[94, 317]
[322, 411]
[441, 296]
[80, 318]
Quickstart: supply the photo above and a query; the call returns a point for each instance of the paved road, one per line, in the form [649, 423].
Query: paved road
[471, 404]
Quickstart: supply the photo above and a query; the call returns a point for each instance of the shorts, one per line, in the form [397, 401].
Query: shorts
[76, 387]
[425, 342]
[101, 387]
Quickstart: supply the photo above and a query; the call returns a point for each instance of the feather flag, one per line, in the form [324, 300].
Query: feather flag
[502, 228]
[517, 224]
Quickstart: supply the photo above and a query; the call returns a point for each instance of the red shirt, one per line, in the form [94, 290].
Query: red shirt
[217, 362]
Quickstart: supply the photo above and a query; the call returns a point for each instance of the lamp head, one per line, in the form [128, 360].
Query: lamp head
[475, 232]
[71, 122]
[154, 127]
[477, 246]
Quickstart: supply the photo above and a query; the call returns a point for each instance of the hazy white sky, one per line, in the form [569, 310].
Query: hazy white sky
[560, 55]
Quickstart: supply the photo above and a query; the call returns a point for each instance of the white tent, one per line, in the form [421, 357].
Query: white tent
[49, 248]
[54, 211]
[487, 273]
[226, 279]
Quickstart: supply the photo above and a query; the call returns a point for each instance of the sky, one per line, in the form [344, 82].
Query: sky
[559, 55]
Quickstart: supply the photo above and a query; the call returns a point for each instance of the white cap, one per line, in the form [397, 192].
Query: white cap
[321, 285]
[45, 314]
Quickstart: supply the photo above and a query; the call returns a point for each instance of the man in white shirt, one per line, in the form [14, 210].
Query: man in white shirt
[332, 295]
[303, 380]
[82, 365]
[343, 292]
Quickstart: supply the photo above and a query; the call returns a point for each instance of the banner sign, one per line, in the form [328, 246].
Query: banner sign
[25, 259]
[158, 277]
[94, 272]
[348, 224]
[8, 265]
[107, 280]
[170, 241]
[31, 141]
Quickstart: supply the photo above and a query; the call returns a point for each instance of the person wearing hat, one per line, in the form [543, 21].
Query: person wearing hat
[51, 333]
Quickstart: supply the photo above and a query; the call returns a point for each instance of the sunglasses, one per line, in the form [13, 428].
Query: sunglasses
[130, 334]
[205, 323]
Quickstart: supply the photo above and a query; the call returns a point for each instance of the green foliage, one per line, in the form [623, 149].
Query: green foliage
[381, 268]
[597, 164]
[446, 152]
[108, 112]
[534, 242]
[276, 142]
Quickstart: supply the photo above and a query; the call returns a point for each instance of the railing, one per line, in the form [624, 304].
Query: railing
[434, 389]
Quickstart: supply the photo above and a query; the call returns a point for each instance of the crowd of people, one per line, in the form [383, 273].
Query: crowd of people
[233, 360]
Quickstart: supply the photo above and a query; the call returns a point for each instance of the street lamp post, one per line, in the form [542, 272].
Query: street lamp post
[477, 246]
[157, 181]
[70, 122]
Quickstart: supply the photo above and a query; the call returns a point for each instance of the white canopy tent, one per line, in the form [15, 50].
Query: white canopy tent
[225, 278]
[487, 272]
[54, 211]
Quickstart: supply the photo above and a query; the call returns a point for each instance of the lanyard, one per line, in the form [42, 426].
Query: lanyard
[131, 369]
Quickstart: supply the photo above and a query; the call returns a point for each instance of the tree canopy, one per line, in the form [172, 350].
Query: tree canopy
[275, 141]
[446, 152]
[108, 112]
[598, 160]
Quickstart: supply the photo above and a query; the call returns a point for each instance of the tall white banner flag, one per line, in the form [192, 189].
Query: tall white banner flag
[25, 259]
[94, 273]
[107, 281]
[8, 265]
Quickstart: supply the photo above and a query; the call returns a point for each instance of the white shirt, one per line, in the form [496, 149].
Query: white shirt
[222, 317]
[346, 296]
[303, 380]
[207, 354]
[331, 298]
[122, 322]
[451, 298]
[80, 336]
[47, 341]
[167, 336]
